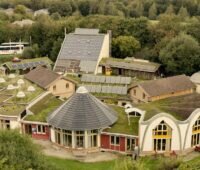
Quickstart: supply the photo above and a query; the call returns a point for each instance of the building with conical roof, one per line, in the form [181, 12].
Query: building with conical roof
[79, 121]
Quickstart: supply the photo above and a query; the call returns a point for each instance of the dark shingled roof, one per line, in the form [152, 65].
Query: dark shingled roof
[41, 76]
[82, 111]
[83, 45]
[167, 85]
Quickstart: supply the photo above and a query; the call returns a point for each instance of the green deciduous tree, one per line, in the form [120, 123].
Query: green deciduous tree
[153, 11]
[170, 10]
[124, 46]
[181, 55]
[183, 13]
[19, 153]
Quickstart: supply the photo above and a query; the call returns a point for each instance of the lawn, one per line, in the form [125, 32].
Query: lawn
[180, 107]
[145, 163]
[122, 125]
[65, 164]
[45, 106]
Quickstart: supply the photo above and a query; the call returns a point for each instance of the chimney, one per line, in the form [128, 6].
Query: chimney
[110, 42]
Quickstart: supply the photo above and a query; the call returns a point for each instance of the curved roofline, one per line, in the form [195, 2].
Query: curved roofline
[169, 116]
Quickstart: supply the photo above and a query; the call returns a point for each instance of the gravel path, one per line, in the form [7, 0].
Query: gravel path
[50, 149]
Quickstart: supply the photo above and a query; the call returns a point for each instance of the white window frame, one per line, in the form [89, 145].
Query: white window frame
[115, 140]
[42, 129]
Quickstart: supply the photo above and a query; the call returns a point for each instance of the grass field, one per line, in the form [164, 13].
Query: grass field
[65, 164]
[148, 163]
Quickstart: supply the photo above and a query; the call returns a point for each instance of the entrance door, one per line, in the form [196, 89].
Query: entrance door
[161, 144]
[79, 141]
[28, 129]
[57, 135]
[130, 144]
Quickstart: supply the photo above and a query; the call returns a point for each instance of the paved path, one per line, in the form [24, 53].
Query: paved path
[191, 156]
[50, 149]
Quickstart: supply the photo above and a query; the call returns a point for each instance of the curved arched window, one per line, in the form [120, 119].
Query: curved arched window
[135, 114]
[196, 133]
[162, 135]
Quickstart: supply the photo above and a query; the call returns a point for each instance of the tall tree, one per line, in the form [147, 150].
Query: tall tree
[170, 10]
[153, 11]
[181, 55]
[124, 46]
[183, 13]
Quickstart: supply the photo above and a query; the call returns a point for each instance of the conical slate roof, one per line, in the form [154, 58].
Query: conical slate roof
[82, 111]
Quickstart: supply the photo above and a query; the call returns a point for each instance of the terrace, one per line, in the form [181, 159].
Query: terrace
[179, 107]
[122, 124]
[43, 107]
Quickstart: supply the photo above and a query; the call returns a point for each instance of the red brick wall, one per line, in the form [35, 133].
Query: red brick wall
[44, 136]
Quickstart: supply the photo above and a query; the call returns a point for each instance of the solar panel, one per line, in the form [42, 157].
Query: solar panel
[109, 89]
[105, 79]
[122, 81]
[117, 80]
[84, 78]
[102, 79]
[103, 89]
[34, 64]
[93, 78]
[108, 79]
[97, 80]
[113, 80]
[124, 90]
[14, 66]
[119, 90]
[98, 88]
[26, 65]
[20, 66]
[93, 88]
[128, 80]
[42, 62]
[88, 79]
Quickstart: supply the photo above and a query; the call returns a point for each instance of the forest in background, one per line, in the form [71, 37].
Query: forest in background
[161, 31]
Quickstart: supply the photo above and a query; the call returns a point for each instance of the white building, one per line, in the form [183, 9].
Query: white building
[164, 134]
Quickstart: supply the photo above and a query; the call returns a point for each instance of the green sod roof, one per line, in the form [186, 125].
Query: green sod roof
[179, 107]
[45, 59]
[11, 110]
[43, 107]
[122, 125]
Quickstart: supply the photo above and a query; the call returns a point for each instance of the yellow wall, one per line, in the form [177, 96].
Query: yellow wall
[139, 95]
[171, 95]
[61, 89]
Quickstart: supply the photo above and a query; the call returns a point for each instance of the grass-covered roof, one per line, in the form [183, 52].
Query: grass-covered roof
[11, 109]
[43, 107]
[179, 107]
[122, 124]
